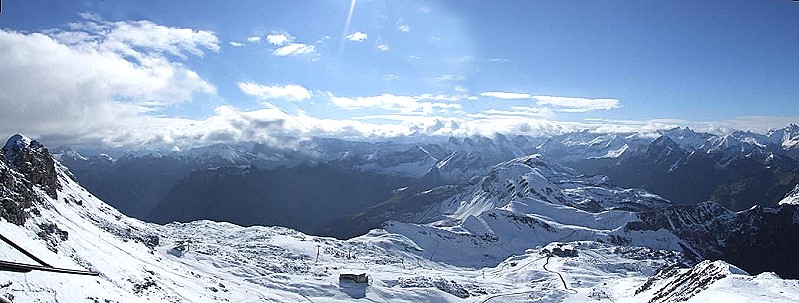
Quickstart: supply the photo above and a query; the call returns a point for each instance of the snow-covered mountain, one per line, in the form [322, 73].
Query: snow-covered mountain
[321, 173]
[523, 185]
[462, 256]
[738, 170]
[244, 154]
[574, 147]
[530, 200]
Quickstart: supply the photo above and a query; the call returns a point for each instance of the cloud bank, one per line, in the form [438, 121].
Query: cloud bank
[97, 78]
[561, 104]
[291, 92]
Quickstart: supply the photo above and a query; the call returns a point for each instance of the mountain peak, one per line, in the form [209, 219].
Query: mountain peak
[665, 141]
[792, 130]
[16, 143]
[18, 139]
[681, 130]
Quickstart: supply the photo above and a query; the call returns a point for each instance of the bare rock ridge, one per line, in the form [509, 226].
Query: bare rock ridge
[24, 165]
[33, 160]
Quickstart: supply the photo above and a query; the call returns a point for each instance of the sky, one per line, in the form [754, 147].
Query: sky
[178, 74]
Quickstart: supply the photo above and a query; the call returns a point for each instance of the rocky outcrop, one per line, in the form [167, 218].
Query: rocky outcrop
[33, 160]
[16, 195]
[683, 285]
[25, 165]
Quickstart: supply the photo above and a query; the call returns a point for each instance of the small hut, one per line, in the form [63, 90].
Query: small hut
[357, 278]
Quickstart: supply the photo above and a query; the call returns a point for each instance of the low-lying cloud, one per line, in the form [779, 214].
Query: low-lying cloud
[561, 104]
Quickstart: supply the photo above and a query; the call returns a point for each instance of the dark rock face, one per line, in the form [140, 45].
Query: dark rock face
[683, 286]
[34, 161]
[664, 272]
[757, 240]
[24, 165]
[51, 234]
[767, 241]
[16, 195]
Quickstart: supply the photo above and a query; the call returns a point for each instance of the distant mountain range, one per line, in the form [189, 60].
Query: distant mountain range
[338, 178]
[738, 171]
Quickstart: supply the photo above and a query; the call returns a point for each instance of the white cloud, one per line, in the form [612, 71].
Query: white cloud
[425, 9]
[577, 105]
[138, 41]
[390, 77]
[440, 97]
[760, 123]
[291, 92]
[236, 44]
[100, 83]
[383, 47]
[294, 49]
[561, 104]
[273, 126]
[90, 16]
[385, 101]
[279, 39]
[287, 46]
[124, 37]
[486, 125]
[254, 39]
[506, 95]
[404, 104]
[404, 28]
[523, 111]
[357, 36]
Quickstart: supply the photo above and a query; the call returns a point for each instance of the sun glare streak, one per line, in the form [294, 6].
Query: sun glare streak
[349, 18]
[344, 34]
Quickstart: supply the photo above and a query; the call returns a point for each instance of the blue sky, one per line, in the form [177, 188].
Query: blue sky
[183, 73]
